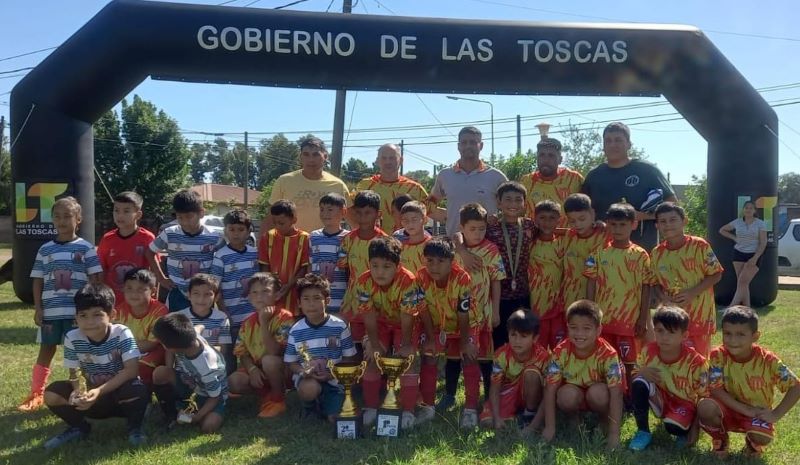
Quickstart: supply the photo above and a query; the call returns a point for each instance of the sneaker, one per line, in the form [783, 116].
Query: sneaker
[136, 437]
[469, 418]
[271, 409]
[426, 413]
[525, 419]
[445, 403]
[752, 450]
[370, 414]
[32, 403]
[640, 441]
[408, 420]
[310, 410]
[720, 447]
[73, 433]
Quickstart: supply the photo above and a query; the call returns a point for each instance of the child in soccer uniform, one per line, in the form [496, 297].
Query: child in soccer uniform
[619, 281]
[413, 236]
[197, 374]
[669, 377]
[743, 377]
[354, 255]
[585, 374]
[62, 266]
[517, 375]
[322, 337]
[686, 270]
[139, 312]
[325, 243]
[233, 266]
[582, 239]
[388, 298]
[452, 327]
[545, 274]
[396, 223]
[123, 249]
[107, 357]
[190, 248]
[208, 320]
[284, 250]
[260, 346]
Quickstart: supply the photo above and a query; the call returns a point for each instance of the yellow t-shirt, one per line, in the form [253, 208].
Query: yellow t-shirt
[685, 378]
[565, 182]
[545, 273]
[577, 250]
[601, 366]
[390, 191]
[492, 270]
[752, 382]
[305, 193]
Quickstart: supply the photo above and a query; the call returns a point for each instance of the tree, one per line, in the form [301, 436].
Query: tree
[789, 188]
[275, 157]
[423, 177]
[198, 163]
[5, 177]
[696, 206]
[583, 148]
[517, 165]
[355, 170]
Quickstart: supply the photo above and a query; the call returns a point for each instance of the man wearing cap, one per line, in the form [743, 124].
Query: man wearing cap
[637, 182]
[550, 181]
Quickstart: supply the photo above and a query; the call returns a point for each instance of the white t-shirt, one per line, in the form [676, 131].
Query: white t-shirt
[747, 235]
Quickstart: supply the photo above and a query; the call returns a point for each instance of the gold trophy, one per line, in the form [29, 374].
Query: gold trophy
[82, 389]
[185, 415]
[348, 421]
[388, 420]
[306, 357]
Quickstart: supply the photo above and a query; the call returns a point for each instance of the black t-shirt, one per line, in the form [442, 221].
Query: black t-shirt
[632, 182]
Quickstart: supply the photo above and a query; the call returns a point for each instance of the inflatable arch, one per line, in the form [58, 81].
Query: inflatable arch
[54, 106]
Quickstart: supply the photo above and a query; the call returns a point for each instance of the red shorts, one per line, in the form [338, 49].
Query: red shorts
[701, 343]
[485, 345]
[671, 408]
[452, 347]
[512, 400]
[552, 330]
[391, 336]
[154, 358]
[357, 328]
[627, 347]
[735, 422]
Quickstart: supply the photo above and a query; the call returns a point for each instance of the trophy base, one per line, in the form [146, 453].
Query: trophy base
[387, 423]
[348, 427]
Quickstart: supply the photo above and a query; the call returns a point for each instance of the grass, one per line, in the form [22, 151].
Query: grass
[289, 440]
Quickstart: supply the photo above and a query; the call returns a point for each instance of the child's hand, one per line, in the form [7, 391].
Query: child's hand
[38, 316]
[256, 377]
[651, 374]
[469, 352]
[281, 292]
[683, 297]
[471, 261]
[495, 318]
[549, 433]
[641, 326]
[86, 401]
[766, 414]
[166, 283]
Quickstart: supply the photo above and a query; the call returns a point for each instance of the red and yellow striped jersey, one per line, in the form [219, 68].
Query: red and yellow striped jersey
[443, 303]
[508, 369]
[601, 366]
[685, 377]
[565, 183]
[619, 274]
[545, 274]
[399, 297]
[753, 381]
[577, 250]
[411, 256]
[285, 255]
[491, 270]
[140, 326]
[683, 268]
[250, 341]
[390, 191]
[354, 257]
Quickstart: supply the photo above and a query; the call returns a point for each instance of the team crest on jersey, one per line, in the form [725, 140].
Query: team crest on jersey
[552, 368]
[208, 248]
[283, 333]
[714, 374]
[410, 298]
[77, 257]
[614, 372]
[333, 342]
[363, 297]
[711, 259]
[784, 373]
[590, 262]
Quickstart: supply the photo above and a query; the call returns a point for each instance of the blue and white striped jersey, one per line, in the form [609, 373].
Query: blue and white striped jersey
[187, 254]
[216, 327]
[100, 361]
[324, 254]
[330, 340]
[234, 268]
[205, 373]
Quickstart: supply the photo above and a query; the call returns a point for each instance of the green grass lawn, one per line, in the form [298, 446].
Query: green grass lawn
[289, 440]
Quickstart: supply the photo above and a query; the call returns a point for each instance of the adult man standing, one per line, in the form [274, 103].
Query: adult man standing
[550, 181]
[468, 180]
[639, 183]
[389, 184]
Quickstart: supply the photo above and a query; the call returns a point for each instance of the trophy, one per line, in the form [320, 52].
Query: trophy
[348, 422]
[305, 355]
[185, 415]
[82, 387]
[388, 420]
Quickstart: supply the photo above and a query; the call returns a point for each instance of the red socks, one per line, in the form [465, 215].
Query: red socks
[427, 383]
[409, 389]
[472, 382]
[371, 388]
[39, 378]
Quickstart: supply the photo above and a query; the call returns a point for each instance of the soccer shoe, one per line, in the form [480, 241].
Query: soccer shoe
[136, 437]
[32, 403]
[73, 433]
[271, 409]
[426, 413]
[445, 403]
[370, 414]
[469, 418]
[640, 441]
[408, 420]
[720, 447]
[751, 449]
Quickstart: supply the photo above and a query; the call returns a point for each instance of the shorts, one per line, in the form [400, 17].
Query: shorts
[512, 400]
[176, 300]
[735, 422]
[331, 398]
[670, 408]
[485, 345]
[627, 347]
[52, 332]
[107, 405]
[552, 330]
[452, 347]
[391, 336]
[184, 392]
[154, 358]
[701, 343]
[738, 256]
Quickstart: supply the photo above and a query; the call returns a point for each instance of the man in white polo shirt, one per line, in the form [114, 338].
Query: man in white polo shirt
[468, 180]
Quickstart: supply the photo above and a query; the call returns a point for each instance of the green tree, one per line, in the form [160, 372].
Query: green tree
[789, 188]
[275, 156]
[355, 170]
[583, 148]
[198, 163]
[421, 176]
[695, 203]
[517, 165]
[5, 177]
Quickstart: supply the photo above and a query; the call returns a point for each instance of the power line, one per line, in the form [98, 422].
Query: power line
[381, 5]
[289, 4]
[28, 53]
[329, 6]
[16, 70]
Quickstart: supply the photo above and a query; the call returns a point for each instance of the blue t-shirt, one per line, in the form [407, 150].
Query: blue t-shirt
[324, 254]
[100, 361]
[234, 268]
[187, 254]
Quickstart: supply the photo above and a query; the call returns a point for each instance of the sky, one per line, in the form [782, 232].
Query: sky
[759, 38]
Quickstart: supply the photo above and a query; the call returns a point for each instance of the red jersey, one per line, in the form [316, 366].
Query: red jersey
[444, 303]
[120, 254]
[285, 255]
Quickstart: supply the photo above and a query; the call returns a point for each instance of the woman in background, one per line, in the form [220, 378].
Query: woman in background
[750, 235]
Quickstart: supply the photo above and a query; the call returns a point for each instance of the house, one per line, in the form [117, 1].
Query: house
[224, 198]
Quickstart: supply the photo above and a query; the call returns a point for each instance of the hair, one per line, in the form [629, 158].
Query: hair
[313, 281]
[129, 197]
[142, 275]
[472, 130]
[238, 216]
[511, 186]
[750, 202]
[673, 319]
[266, 279]
[439, 247]
[577, 203]
[204, 279]
[472, 212]
[523, 321]
[283, 208]
[549, 143]
[621, 212]
[187, 201]
[334, 199]
[586, 308]
[668, 207]
[367, 199]
[399, 202]
[175, 331]
[741, 315]
[69, 202]
[414, 207]
[547, 206]
[93, 296]
[312, 141]
[385, 247]
[618, 127]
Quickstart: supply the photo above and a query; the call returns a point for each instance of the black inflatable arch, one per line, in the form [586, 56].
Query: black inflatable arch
[54, 106]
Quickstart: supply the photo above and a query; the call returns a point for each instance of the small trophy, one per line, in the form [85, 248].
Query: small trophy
[306, 357]
[388, 420]
[348, 421]
[82, 388]
[185, 415]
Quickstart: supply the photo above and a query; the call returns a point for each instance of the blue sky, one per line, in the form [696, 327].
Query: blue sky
[677, 149]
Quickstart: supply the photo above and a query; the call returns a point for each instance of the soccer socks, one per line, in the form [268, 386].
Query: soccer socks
[133, 397]
[409, 389]
[675, 430]
[166, 399]
[472, 381]
[427, 383]
[640, 395]
[39, 378]
[371, 387]
[452, 371]
[71, 416]
[486, 373]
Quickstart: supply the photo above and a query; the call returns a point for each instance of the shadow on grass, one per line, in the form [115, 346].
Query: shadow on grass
[15, 305]
[18, 335]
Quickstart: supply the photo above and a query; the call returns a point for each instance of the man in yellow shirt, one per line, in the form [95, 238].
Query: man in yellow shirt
[550, 181]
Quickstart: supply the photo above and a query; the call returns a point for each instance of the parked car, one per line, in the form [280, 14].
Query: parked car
[214, 223]
[789, 250]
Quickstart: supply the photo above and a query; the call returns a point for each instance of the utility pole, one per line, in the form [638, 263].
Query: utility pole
[519, 135]
[2, 134]
[338, 115]
[402, 152]
[246, 169]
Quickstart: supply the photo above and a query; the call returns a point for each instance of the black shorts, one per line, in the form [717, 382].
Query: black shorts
[743, 257]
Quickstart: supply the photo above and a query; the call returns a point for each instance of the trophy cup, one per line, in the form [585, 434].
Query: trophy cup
[305, 355]
[82, 387]
[348, 422]
[185, 415]
[388, 421]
